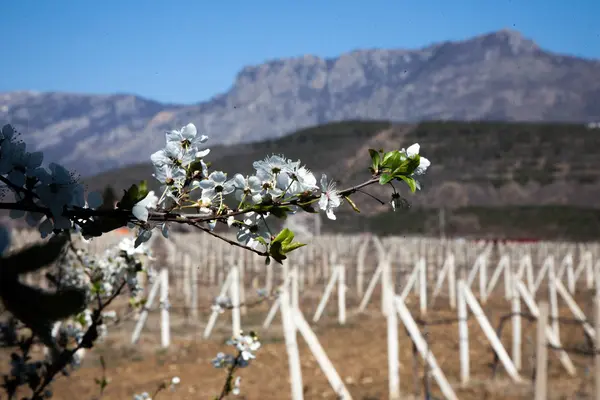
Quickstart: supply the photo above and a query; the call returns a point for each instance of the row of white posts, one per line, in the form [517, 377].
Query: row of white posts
[394, 307]
[519, 285]
[161, 283]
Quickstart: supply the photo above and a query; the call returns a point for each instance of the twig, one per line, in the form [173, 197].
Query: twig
[66, 356]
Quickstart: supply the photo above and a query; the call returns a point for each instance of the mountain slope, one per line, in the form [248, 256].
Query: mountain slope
[516, 179]
[474, 164]
[498, 76]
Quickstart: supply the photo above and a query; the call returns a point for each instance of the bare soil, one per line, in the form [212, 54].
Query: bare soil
[358, 351]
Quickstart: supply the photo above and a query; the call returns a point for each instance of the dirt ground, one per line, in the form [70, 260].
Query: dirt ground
[358, 351]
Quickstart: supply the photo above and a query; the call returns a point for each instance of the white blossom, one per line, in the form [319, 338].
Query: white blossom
[247, 188]
[216, 185]
[330, 199]
[253, 227]
[140, 209]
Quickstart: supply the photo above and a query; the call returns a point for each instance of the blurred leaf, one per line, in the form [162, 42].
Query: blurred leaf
[39, 309]
[33, 257]
[36, 308]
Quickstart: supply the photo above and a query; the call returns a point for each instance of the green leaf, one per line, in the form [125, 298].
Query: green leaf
[283, 235]
[280, 211]
[407, 166]
[410, 182]
[293, 246]
[385, 178]
[276, 251]
[391, 159]
[282, 244]
[142, 190]
[132, 195]
[308, 207]
[375, 160]
[128, 200]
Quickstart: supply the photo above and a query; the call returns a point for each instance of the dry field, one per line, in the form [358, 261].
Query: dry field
[358, 351]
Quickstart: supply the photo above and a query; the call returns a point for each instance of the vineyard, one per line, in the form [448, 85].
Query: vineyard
[357, 317]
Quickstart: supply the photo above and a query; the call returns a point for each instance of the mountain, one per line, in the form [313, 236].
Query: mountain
[498, 76]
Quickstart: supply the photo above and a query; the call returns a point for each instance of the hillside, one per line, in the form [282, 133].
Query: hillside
[499, 179]
[497, 76]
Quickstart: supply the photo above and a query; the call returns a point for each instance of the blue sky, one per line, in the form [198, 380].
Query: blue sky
[188, 51]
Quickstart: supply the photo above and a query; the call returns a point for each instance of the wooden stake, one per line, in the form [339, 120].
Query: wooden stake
[541, 356]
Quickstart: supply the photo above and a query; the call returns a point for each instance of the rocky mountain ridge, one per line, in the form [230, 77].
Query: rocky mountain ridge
[498, 76]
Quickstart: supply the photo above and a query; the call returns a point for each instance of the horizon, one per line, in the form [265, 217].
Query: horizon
[107, 49]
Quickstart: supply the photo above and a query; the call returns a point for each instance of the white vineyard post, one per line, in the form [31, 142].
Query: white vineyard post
[553, 339]
[294, 285]
[194, 297]
[508, 271]
[423, 286]
[463, 336]
[417, 338]
[489, 332]
[597, 349]
[392, 339]
[452, 280]
[553, 299]
[220, 264]
[447, 273]
[234, 293]
[241, 280]
[186, 285]
[516, 323]
[328, 290]
[526, 271]
[341, 280]
[272, 312]
[215, 314]
[145, 309]
[291, 344]
[566, 265]
[413, 279]
[371, 287]
[588, 266]
[360, 266]
[301, 267]
[269, 278]
[275, 307]
[212, 269]
[386, 279]
[165, 329]
[382, 256]
[503, 266]
[317, 350]
[541, 354]
[483, 274]
[310, 265]
[545, 270]
[575, 310]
